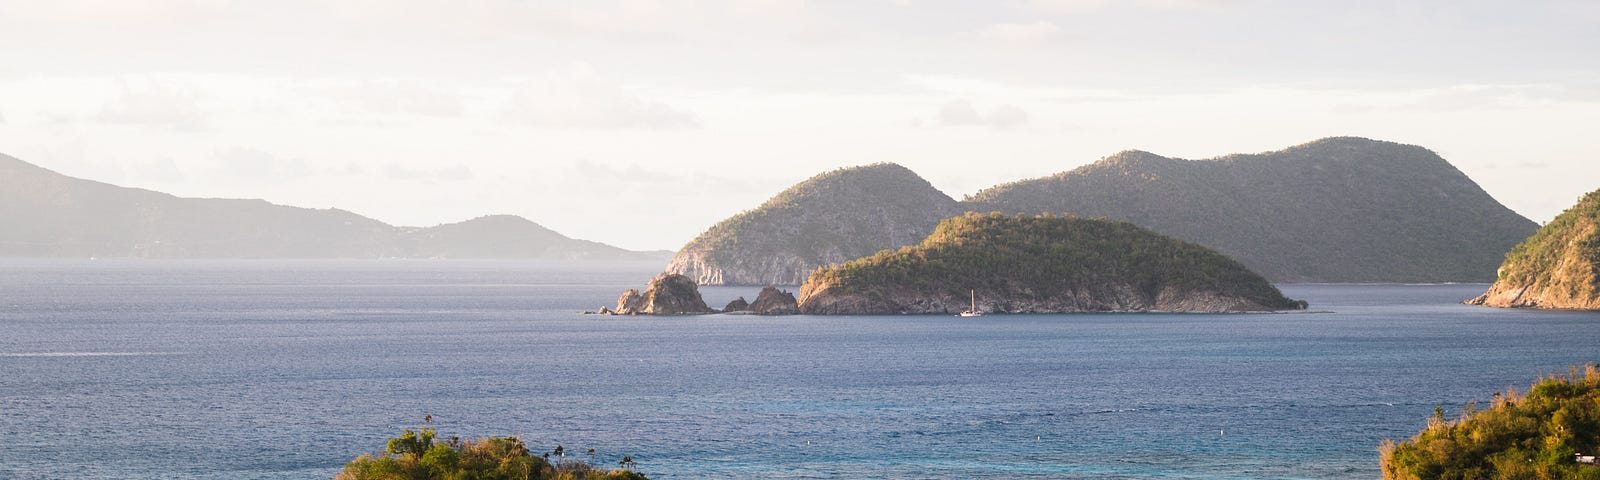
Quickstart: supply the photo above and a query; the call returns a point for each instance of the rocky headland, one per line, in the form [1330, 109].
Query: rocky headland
[1041, 264]
[1556, 268]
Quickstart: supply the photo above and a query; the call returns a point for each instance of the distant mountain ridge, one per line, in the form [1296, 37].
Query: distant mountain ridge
[1340, 209]
[47, 214]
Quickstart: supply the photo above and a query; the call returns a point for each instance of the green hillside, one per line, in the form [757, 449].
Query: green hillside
[1334, 210]
[1557, 267]
[1041, 264]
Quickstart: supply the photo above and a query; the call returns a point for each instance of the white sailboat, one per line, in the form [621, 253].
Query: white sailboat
[973, 312]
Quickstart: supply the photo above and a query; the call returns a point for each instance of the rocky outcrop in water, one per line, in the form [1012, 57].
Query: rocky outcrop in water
[1043, 264]
[1556, 268]
[736, 306]
[772, 301]
[667, 294]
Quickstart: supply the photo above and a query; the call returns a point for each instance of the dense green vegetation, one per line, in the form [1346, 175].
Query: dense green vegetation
[1572, 242]
[1334, 210]
[832, 217]
[415, 455]
[1044, 256]
[1518, 437]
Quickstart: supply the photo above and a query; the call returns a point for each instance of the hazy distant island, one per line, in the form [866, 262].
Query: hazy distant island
[48, 214]
[1550, 433]
[1041, 264]
[1557, 268]
[1339, 209]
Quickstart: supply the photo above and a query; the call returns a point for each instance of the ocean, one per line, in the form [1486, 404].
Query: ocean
[289, 369]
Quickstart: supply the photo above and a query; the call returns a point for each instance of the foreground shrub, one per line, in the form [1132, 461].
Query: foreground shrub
[1533, 437]
[414, 455]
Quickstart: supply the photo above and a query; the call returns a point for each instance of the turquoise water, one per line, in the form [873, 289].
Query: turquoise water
[239, 369]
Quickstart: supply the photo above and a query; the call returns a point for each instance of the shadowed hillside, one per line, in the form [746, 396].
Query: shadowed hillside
[1334, 210]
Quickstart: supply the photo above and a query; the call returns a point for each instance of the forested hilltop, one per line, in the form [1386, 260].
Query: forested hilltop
[1558, 267]
[1339, 209]
[1040, 264]
[830, 218]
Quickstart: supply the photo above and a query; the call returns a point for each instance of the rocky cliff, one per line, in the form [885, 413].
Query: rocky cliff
[1558, 267]
[1041, 264]
[1334, 210]
[830, 218]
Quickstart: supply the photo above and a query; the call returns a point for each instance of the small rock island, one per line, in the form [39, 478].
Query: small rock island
[676, 294]
[1041, 264]
[1557, 268]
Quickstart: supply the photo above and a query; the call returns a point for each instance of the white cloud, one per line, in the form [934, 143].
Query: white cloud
[161, 170]
[252, 165]
[396, 171]
[1020, 35]
[153, 103]
[1087, 6]
[579, 98]
[960, 112]
[1007, 116]
[395, 97]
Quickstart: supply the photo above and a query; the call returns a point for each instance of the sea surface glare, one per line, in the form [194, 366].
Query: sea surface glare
[274, 370]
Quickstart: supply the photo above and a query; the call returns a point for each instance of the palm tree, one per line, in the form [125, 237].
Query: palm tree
[627, 461]
[591, 456]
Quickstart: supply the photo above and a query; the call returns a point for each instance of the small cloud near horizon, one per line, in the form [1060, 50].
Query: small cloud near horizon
[961, 112]
[578, 98]
[154, 104]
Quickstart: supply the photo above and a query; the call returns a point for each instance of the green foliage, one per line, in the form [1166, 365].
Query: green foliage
[1046, 256]
[1570, 242]
[1532, 437]
[415, 456]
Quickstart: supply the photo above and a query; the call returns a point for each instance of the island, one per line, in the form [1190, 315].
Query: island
[1557, 268]
[1040, 264]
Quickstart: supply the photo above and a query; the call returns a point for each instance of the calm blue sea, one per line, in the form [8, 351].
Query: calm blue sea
[268, 369]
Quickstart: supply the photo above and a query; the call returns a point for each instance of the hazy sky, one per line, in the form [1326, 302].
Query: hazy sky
[641, 123]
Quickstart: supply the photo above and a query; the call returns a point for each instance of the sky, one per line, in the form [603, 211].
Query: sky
[641, 123]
